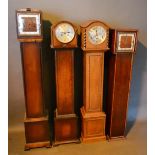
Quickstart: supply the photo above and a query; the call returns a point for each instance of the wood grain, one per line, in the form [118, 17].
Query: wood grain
[31, 59]
[36, 131]
[66, 128]
[93, 81]
[65, 81]
[118, 93]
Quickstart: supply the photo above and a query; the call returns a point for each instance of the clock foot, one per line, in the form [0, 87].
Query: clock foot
[77, 141]
[116, 138]
[29, 146]
[26, 148]
[108, 139]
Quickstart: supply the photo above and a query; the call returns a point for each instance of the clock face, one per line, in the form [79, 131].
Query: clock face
[126, 41]
[97, 35]
[28, 24]
[65, 32]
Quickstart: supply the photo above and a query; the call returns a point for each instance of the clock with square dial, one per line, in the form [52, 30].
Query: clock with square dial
[119, 65]
[126, 41]
[28, 23]
[123, 41]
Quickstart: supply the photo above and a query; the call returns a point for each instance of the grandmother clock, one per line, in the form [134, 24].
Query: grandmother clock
[64, 41]
[29, 33]
[123, 47]
[94, 43]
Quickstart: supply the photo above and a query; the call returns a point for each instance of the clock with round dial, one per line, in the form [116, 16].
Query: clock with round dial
[94, 36]
[97, 35]
[64, 32]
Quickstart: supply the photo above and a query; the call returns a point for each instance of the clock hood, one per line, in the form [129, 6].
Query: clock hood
[89, 22]
[64, 21]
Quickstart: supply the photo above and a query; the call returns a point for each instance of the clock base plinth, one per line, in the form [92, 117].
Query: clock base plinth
[92, 139]
[37, 132]
[93, 126]
[57, 143]
[29, 146]
[116, 138]
[66, 129]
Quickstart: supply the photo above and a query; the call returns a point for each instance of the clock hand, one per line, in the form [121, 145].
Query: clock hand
[65, 32]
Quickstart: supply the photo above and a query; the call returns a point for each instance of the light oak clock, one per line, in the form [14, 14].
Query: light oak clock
[30, 37]
[64, 41]
[94, 42]
[123, 47]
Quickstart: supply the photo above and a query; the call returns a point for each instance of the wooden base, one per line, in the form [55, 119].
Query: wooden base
[93, 126]
[92, 139]
[37, 132]
[29, 146]
[116, 138]
[66, 129]
[77, 141]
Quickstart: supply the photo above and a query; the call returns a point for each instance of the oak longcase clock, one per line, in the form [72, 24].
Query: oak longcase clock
[64, 41]
[29, 35]
[123, 47]
[94, 42]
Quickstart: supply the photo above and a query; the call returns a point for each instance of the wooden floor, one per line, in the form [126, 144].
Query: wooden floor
[134, 145]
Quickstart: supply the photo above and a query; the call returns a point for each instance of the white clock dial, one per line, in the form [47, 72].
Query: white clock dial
[65, 32]
[97, 35]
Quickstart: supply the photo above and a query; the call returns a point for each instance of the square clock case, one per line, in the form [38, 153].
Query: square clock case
[29, 34]
[120, 59]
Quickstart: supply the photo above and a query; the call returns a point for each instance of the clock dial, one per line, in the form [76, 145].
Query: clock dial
[97, 35]
[126, 41]
[28, 24]
[65, 32]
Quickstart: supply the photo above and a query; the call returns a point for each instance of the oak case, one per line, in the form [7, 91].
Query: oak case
[36, 117]
[86, 45]
[93, 119]
[65, 120]
[119, 77]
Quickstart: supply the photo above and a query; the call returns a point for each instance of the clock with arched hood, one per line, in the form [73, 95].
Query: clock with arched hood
[94, 36]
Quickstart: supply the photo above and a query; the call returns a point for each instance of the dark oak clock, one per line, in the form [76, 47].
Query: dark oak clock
[94, 42]
[29, 24]
[123, 47]
[64, 41]
[29, 34]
